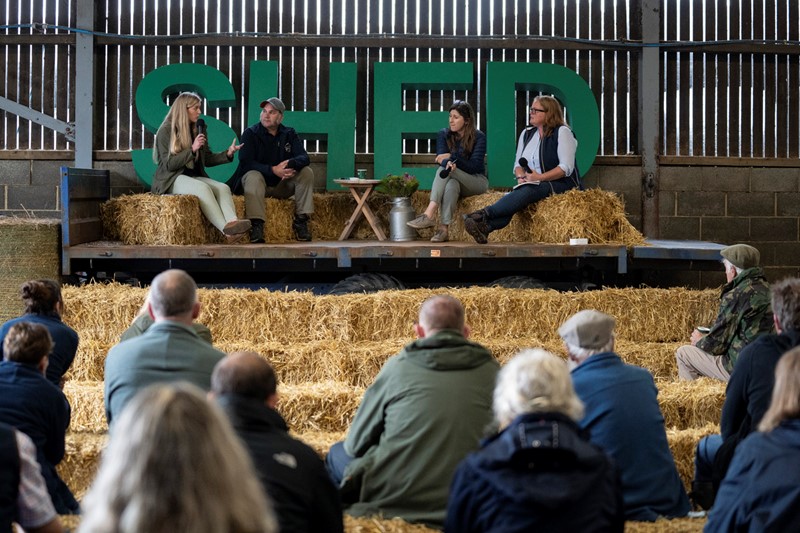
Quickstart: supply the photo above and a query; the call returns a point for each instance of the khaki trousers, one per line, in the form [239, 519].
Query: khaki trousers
[694, 363]
[255, 190]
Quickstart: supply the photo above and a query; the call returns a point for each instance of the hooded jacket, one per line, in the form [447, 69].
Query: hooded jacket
[539, 474]
[426, 410]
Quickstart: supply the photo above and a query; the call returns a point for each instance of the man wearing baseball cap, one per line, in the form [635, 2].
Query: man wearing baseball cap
[273, 163]
[623, 418]
[744, 314]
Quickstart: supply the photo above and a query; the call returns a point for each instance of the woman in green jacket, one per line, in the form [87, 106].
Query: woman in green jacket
[182, 153]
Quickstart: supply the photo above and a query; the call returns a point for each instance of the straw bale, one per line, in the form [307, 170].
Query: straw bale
[82, 453]
[70, 521]
[90, 360]
[682, 444]
[88, 408]
[325, 360]
[594, 214]
[101, 311]
[376, 524]
[691, 404]
[663, 525]
[657, 357]
[320, 441]
[236, 315]
[320, 406]
[29, 249]
[150, 219]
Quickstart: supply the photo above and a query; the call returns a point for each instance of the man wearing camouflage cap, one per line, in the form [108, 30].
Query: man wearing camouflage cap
[744, 314]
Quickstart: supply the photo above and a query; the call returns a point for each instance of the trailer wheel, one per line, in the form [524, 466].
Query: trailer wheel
[367, 283]
[518, 282]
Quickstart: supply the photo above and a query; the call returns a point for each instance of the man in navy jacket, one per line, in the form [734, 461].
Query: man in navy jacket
[273, 163]
[623, 417]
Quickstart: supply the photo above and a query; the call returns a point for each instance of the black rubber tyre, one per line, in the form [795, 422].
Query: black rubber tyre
[518, 282]
[367, 283]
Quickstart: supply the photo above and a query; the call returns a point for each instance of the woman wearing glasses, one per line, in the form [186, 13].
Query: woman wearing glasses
[548, 149]
[460, 153]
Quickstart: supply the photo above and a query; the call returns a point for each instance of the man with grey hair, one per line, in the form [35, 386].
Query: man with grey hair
[170, 350]
[273, 163]
[426, 409]
[744, 314]
[623, 417]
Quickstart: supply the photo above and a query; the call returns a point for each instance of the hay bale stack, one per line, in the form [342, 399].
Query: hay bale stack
[29, 249]
[148, 219]
[320, 406]
[662, 525]
[88, 408]
[691, 404]
[353, 524]
[81, 460]
[682, 444]
[594, 214]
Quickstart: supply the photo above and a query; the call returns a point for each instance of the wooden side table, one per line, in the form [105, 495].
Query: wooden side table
[361, 189]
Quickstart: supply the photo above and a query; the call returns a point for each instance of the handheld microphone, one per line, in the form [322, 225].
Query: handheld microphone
[523, 163]
[201, 126]
[445, 171]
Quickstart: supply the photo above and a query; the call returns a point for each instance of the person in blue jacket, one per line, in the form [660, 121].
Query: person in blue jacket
[460, 154]
[544, 165]
[761, 491]
[539, 472]
[33, 405]
[623, 417]
[44, 305]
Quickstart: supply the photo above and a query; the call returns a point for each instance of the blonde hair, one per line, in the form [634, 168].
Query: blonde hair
[174, 464]
[554, 115]
[785, 402]
[534, 381]
[177, 120]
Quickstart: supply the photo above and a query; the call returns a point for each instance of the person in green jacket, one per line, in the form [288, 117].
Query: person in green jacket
[427, 409]
[182, 153]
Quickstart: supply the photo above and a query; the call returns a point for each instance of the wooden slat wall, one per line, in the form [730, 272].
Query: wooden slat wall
[715, 103]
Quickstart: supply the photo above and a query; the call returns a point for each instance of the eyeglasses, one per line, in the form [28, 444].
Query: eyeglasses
[537, 110]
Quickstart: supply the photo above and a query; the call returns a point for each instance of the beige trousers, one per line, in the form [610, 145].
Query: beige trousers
[216, 201]
[255, 190]
[694, 363]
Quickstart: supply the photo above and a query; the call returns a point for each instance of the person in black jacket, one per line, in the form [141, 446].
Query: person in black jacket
[294, 476]
[540, 472]
[274, 164]
[748, 393]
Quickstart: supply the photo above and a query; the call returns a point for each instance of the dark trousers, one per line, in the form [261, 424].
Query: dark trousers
[503, 210]
[336, 461]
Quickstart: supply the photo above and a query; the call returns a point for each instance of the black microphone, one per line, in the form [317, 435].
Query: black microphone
[201, 126]
[523, 163]
[446, 171]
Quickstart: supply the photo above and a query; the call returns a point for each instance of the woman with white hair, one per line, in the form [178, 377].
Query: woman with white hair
[539, 472]
[760, 491]
[174, 464]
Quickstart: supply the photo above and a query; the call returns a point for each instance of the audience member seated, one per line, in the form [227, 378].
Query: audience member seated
[44, 305]
[34, 406]
[623, 418]
[760, 492]
[23, 493]
[293, 475]
[174, 464]
[168, 351]
[540, 472]
[426, 410]
[748, 393]
[744, 314]
[142, 321]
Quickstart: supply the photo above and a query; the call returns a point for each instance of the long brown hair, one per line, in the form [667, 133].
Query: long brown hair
[785, 402]
[468, 134]
[554, 115]
[181, 131]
